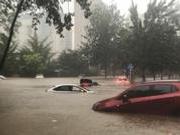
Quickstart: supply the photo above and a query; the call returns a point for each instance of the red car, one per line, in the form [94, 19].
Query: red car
[87, 83]
[159, 97]
[122, 80]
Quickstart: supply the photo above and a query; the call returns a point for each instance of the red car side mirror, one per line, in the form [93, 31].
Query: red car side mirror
[125, 98]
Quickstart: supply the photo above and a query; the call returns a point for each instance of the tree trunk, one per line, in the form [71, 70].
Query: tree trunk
[154, 76]
[105, 71]
[10, 35]
[169, 76]
[113, 70]
[143, 76]
[161, 75]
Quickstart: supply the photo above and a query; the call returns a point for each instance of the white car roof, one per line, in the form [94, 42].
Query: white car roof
[66, 85]
[75, 85]
[2, 77]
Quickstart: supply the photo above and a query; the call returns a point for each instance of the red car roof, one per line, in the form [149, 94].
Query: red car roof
[172, 82]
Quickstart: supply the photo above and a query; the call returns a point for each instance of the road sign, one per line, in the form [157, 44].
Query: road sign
[130, 66]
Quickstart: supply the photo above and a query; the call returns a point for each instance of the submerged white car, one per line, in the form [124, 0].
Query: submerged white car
[2, 77]
[70, 88]
[39, 76]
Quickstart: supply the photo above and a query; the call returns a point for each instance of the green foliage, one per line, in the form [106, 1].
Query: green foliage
[6, 17]
[72, 63]
[150, 42]
[153, 40]
[35, 56]
[32, 64]
[11, 63]
[51, 9]
[100, 45]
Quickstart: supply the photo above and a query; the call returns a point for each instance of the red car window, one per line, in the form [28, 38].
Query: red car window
[139, 91]
[149, 90]
[163, 89]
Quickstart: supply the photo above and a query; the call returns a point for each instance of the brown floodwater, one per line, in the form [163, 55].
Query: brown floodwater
[26, 109]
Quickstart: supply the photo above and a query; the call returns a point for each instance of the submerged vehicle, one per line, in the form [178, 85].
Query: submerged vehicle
[2, 77]
[122, 80]
[87, 83]
[69, 88]
[158, 97]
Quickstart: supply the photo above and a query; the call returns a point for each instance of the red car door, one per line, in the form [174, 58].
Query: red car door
[153, 105]
[135, 99]
[162, 100]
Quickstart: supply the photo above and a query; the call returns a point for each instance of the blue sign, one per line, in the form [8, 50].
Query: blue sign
[130, 66]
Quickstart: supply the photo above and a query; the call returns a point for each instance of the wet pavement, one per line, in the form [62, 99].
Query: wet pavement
[26, 109]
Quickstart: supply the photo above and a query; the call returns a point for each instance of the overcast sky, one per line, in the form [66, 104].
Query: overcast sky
[124, 5]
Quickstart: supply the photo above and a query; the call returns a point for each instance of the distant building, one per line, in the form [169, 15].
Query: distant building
[81, 23]
[79, 26]
[72, 39]
[44, 31]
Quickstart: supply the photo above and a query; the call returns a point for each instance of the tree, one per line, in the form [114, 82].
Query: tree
[72, 63]
[52, 9]
[11, 63]
[105, 23]
[35, 56]
[138, 50]
[153, 40]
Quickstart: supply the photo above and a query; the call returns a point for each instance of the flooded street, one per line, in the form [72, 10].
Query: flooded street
[26, 109]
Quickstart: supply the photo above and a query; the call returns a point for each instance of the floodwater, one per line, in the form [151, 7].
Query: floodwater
[26, 109]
